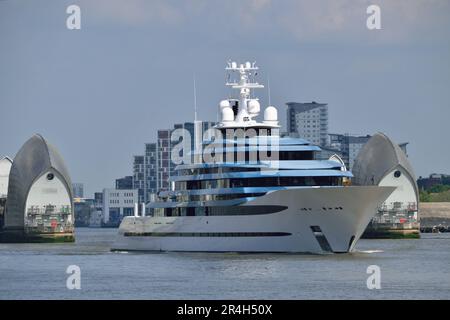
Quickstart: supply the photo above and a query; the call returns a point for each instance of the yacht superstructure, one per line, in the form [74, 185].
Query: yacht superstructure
[247, 189]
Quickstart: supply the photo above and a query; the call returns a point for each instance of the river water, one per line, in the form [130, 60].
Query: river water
[410, 269]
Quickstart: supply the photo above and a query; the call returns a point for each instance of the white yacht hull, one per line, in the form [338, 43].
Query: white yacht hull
[340, 213]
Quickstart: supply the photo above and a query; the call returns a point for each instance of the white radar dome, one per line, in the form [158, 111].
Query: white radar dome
[253, 107]
[224, 104]
[227, 114]
[271, 114]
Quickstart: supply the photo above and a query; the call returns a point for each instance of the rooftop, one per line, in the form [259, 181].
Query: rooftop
[305, 106]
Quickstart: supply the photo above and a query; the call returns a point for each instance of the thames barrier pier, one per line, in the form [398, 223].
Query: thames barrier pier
[38, 205]
[381, 162]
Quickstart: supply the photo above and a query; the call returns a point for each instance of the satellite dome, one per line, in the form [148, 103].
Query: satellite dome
[253, 107]
[227, 114]
[270, 114]
[224, 104]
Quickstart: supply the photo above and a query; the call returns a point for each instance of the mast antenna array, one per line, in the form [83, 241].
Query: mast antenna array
[244, 80]
[242, 111]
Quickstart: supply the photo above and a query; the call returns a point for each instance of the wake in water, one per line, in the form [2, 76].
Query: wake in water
[369, 251]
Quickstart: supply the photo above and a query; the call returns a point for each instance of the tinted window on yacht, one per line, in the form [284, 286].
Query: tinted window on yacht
[296, 155]
[216, 197]
[190, 211]
[253, 157]
[259, 182]
[219, 210]
[244, 210]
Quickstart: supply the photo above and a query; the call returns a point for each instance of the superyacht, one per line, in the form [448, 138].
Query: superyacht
[249, 189]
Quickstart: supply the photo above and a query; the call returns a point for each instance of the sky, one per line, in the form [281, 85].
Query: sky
[99, 93]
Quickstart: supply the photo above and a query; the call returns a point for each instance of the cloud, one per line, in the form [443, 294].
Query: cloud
[297, 20]
[135, 12]
[345, 20]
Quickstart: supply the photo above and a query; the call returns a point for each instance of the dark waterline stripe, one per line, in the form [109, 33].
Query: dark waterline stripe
[206, 234]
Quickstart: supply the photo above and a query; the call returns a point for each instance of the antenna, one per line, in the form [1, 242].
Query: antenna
[268, 89]
[245, 84]
[197, 130]
[195, 100]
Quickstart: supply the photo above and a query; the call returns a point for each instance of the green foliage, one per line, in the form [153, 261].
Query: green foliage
[441, 197]
[438, 193]
[424, 196]
[439, 188]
